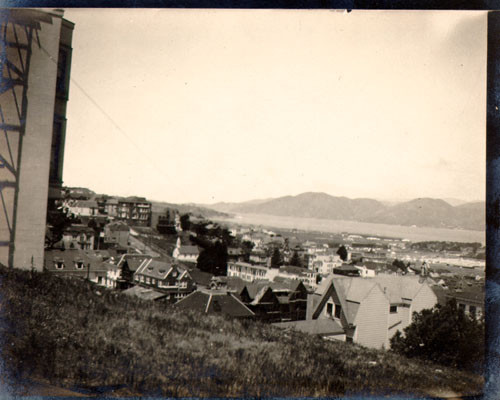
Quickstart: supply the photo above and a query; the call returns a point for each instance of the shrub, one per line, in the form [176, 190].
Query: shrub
[445, 335]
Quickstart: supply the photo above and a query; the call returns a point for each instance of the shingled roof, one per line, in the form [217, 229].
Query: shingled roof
[215, 302]
[144, 293]
[189, 250]
[160, 269]
[134, 261]
[72, 260]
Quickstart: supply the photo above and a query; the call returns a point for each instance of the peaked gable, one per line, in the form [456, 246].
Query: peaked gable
[336, 293]
[214, 302]
[265, 295]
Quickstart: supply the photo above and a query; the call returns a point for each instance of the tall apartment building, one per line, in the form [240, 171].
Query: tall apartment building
[134, 210]
[35, 57]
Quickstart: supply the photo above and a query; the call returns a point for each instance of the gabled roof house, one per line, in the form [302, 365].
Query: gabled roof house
[215, 302]
[76, 262]
[368, 311]
[165, 276]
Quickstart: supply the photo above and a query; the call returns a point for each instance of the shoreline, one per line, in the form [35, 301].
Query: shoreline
[355, 227]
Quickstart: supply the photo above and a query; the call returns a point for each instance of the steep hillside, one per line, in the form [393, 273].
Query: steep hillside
[71, 334]
[424, 212]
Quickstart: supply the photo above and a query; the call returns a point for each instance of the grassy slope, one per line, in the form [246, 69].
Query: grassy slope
[70, 333]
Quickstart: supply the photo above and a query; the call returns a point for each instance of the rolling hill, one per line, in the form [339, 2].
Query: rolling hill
[423, 212]
[194, 209]
[70, 334]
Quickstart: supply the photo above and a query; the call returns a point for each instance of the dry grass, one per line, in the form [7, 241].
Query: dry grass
[73, 334]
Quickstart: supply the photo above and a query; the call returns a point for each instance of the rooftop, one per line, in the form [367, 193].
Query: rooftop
[144, 293]
[215, 302]
[74, 260]
[189, 250]
[316, 326]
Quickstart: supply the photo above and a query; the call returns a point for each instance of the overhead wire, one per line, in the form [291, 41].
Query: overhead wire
[112, 121]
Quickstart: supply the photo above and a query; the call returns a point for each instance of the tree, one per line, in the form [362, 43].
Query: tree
[276, 259]
[286, 244]
[226, 237]
[58, 219]
[127, 274]
[247, 248]
[200, 229]
[296, 259]
[400, 265]
[342, 252]
[213, 259]
[445, 335]
[97, 232]
[185, 223]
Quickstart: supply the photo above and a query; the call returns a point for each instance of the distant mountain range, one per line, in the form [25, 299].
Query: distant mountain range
[422, 212]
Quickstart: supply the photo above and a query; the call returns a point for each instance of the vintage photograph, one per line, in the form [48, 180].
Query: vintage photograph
[242, 203]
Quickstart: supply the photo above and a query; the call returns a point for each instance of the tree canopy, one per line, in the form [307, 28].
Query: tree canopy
[295, 260]
[276, 259]
[445, 335]
[342, 252]
[213, 259]
[58, 219]
[185, 223]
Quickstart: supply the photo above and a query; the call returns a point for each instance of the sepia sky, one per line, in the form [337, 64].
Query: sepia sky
[232, 105]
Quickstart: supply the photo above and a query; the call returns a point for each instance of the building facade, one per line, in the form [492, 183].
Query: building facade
[35, 61]
[367, 311]
[165, 277]
[249, 272]
[134, 210]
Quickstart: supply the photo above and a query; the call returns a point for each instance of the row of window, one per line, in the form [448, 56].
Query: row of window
[61, 265]
[247, 270]
[152, 281]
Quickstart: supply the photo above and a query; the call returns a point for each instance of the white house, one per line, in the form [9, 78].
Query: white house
[185, 253]
[366, 311]
[249, 272]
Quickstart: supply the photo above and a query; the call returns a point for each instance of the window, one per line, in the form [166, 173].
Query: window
[472, 311]
[79, 264]
[136, 278]
[329, 309]
[461, 307]
[59, 264]
[393, 309]
[338, 310]
[147, 280]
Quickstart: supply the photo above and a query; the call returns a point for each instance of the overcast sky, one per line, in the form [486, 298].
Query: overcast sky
[206, 106]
